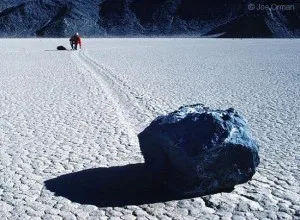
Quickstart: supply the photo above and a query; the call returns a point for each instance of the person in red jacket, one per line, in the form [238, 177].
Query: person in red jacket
[74, 41]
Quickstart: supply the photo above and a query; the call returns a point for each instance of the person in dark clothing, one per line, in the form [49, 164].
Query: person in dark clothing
[74, 41]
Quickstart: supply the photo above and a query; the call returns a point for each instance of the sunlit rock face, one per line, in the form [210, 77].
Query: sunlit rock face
[199, 150]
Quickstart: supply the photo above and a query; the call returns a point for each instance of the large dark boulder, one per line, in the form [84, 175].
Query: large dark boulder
[199, 150]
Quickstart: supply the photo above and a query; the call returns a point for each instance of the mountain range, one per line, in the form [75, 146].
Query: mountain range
[135, 18]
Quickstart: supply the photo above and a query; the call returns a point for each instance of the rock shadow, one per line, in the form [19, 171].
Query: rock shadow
[109, 187]
[58, 50]
[114, 187]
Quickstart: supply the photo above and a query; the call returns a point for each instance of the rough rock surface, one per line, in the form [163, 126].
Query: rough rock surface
[199, 150]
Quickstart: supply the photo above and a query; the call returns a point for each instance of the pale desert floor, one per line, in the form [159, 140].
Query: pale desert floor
[70, 111]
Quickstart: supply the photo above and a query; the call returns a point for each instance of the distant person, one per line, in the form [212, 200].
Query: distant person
[74, 41]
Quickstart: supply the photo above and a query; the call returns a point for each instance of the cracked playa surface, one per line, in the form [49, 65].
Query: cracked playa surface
[69, 111]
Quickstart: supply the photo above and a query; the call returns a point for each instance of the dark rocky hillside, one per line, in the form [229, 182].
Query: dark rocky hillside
[218, 18]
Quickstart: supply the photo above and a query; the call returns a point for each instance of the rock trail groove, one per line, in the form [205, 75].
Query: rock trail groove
[135, 109]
